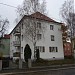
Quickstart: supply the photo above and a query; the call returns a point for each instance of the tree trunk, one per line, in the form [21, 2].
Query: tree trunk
[35, 50]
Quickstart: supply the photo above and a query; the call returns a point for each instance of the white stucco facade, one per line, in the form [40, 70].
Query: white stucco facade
[45, 41]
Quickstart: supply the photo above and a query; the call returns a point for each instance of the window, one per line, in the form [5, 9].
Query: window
[52, 37]
[41, 48]
[38, 25]
[53, 49]
[39, 36]
[22, 37]
[51, 27]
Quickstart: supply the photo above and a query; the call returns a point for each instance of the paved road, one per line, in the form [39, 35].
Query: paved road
[52, 72]
[64, 71]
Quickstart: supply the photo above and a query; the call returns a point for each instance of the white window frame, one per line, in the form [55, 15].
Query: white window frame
[41, 48]
[53, 49]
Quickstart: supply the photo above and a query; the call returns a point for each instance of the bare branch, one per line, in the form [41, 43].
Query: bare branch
[31, 6]
[3, 26]
[67, 13]
[31, 29]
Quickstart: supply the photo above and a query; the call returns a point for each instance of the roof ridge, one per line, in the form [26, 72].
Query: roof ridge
[42, 16]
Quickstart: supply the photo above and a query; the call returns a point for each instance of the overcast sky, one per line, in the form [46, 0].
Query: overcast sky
[53, 7]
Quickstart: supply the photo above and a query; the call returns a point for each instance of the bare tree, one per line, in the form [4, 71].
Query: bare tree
[31, 6]
[33, 30]
[42, 8]
[67, 13]
[3, 26]
[28, 7]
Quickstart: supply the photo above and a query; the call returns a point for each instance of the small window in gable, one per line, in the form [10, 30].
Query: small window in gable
[41, 48]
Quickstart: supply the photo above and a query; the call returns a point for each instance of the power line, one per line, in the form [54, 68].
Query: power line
[8, 5]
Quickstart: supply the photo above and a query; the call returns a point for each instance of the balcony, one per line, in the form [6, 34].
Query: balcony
[16, 43]
[17, 33]
[16, 54]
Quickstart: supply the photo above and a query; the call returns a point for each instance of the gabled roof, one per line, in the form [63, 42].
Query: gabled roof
[39, 16]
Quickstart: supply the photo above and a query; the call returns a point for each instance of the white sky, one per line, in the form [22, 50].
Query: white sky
[53, 7]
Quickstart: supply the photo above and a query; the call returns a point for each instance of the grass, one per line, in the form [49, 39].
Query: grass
[42, 62]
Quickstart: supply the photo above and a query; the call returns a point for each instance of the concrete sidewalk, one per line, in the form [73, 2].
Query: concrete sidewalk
[35, 69]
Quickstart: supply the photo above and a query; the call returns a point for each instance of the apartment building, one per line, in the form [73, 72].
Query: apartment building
[49, 42]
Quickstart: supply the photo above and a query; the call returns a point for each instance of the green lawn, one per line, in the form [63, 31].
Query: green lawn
[42, 62]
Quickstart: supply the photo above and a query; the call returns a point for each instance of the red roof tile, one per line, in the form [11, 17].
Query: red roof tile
[7, 36]
[38, 15]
